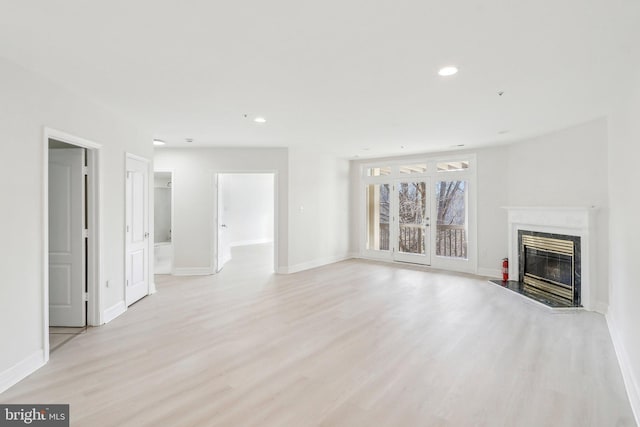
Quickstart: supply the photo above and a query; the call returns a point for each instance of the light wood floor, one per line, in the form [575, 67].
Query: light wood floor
[352, 344]
[59, 336]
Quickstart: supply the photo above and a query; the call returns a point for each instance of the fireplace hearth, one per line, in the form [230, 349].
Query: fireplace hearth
[549, 268]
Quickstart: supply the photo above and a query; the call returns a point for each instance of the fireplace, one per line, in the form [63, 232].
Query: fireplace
[549, 266]
[574, 224]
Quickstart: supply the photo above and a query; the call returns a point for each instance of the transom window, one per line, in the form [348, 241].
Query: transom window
[453, 166]
[379, 171]
[412, 169]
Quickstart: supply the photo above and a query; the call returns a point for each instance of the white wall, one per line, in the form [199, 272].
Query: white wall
[564, 168]
[29, 103]
[319, 209]
[194, 198]
[567, 168]
[624, 255]
[318, 183]
[248, 207]
[493, 195]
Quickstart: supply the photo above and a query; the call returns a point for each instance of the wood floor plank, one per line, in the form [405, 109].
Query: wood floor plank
[357, 343]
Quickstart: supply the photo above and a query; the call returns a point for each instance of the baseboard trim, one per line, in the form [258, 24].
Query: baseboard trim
[494, 273]
[192, 271]
[313, 264]
[630, 383]
[114, 311]
[21, 370]
[601, 307]
[251, 242]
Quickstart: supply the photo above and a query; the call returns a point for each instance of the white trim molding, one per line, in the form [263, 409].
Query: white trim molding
[494, 273]
[313, 264]
[22, 369]
[630, 382]
[251, 242]
[192, 271]
[114, 311]
[570, 221]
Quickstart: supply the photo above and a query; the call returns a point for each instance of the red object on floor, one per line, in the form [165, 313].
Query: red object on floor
[505, 269]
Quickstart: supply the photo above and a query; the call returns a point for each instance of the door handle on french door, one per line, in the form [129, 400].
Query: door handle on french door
[146, 235]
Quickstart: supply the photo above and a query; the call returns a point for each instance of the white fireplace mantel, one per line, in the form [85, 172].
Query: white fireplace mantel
[570, 221]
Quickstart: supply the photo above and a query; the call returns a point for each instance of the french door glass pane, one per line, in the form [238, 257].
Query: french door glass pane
[451, 225]
[412, 202]
[378, 205]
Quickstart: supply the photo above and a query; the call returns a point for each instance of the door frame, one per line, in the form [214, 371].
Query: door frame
[151, 286]
[215, 223]
[94, 225]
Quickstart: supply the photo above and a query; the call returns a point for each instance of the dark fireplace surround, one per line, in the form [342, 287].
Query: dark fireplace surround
[549, 267]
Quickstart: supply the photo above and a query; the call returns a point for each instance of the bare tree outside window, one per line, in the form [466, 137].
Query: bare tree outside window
[451, 225]
[412, 198]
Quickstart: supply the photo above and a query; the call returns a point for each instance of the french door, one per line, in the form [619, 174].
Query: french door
[398, 220]
[410, 226]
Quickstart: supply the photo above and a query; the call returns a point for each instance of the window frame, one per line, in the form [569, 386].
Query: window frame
[468, 265]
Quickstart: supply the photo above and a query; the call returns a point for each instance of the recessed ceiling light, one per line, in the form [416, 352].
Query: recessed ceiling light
[158, 142]
[447, 71]
[260, 120]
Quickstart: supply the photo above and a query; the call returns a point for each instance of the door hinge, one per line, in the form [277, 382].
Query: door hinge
[85, 170]
[127, 228]
[85, 233]
[127, 282]
[85, 296]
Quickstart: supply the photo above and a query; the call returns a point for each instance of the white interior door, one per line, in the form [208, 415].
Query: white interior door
[411, 221]
[224, 244]
[137, 230]
[66, 238]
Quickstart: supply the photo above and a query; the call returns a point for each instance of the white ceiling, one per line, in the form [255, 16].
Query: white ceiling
[351, 77]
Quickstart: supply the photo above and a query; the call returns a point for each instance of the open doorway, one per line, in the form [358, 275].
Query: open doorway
[246, 220]
[71, 248]
[163, 222]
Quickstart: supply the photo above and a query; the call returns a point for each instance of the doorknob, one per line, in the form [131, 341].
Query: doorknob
[146, 235]
[223, 225]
